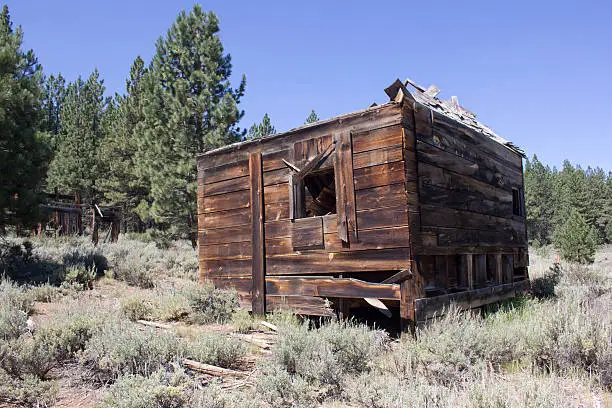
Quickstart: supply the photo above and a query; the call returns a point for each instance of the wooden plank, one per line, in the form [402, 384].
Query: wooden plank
[276, 211]
[499, 277]
[376, 139]
[224, 219]
[276, 193]
[463, 200]
[471, 137]
[303, 305]
[307, 233]
[407, 303]
[273, 160]
[345, 188]
[380, 175]
[434, 216]
[507, 268]
[456, 237]
[227, 235]
[239, 284]
[393, 195]
[224, 202]
[379, 238]
[437, 176]
[225, 267]
[222, 172]
[493, 174]
[276, 176]
[394, 237]
[330, 287]
[382, 217]
[469, 269]
[257, 226]
[427, 308]
[283, 228]
[384, 155]
[225, 186]
[338, 262]
[234, 250]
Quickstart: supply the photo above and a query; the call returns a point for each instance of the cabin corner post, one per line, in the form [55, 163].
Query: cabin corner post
[411, 289]
[258, 243]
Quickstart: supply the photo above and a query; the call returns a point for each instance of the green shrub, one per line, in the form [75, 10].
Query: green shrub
[13, 322]
[44, 293]
[575, 239]
[15, 296]
[215, 349]
[136, 307]
[243, 322]
[29, 391]
[170, 307]
[329, 352]
[26, 356]
[161, 389]
[79, 277]
[122, 348]
[209, 304]
[278, 388]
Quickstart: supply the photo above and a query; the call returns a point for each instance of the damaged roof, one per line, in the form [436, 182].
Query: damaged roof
[396, 92]
[449, 108]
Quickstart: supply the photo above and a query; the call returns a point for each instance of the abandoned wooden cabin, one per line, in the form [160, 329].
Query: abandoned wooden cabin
[412, 204]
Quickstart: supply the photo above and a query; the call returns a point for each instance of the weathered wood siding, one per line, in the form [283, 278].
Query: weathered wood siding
[465, 185]
[372, 211]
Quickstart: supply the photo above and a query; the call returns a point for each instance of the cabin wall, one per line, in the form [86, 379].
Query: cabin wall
[470, 236]
[368, 238]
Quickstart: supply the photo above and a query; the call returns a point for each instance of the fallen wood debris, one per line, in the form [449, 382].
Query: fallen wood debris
[248, 339]
[212, 370]
[155, 324]
[270, 326]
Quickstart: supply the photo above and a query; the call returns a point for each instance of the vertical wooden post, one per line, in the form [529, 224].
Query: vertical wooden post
[407, 314]
[258, 242]
[499, 279]
[469, 268]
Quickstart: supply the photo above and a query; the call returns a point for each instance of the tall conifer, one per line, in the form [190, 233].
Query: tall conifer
[23, 147]
[191, 108]
[74, 167]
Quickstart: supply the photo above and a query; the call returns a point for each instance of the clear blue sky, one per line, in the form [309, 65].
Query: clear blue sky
[538, 72]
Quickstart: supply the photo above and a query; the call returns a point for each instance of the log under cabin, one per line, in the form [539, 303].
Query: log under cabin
[408, 206]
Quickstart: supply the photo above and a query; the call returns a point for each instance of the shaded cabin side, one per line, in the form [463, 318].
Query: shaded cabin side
[315, 246]
[471, 244]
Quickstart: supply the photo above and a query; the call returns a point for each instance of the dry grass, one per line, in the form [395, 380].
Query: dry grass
[549, 350]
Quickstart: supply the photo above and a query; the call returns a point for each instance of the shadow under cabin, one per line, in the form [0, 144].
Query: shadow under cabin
[408, 206]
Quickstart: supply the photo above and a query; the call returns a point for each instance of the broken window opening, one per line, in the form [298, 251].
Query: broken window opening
[319, 194]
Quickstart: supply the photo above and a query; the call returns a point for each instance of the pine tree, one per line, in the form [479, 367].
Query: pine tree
[24, 149]
[191, 108]
[121, 185]
[53, 99]
[313, 117]
[538, 199]
[263, 129]
[74, 167]
[575, 239]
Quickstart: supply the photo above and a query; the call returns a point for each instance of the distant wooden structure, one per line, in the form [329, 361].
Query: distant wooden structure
[64, 216]
[412, 205]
